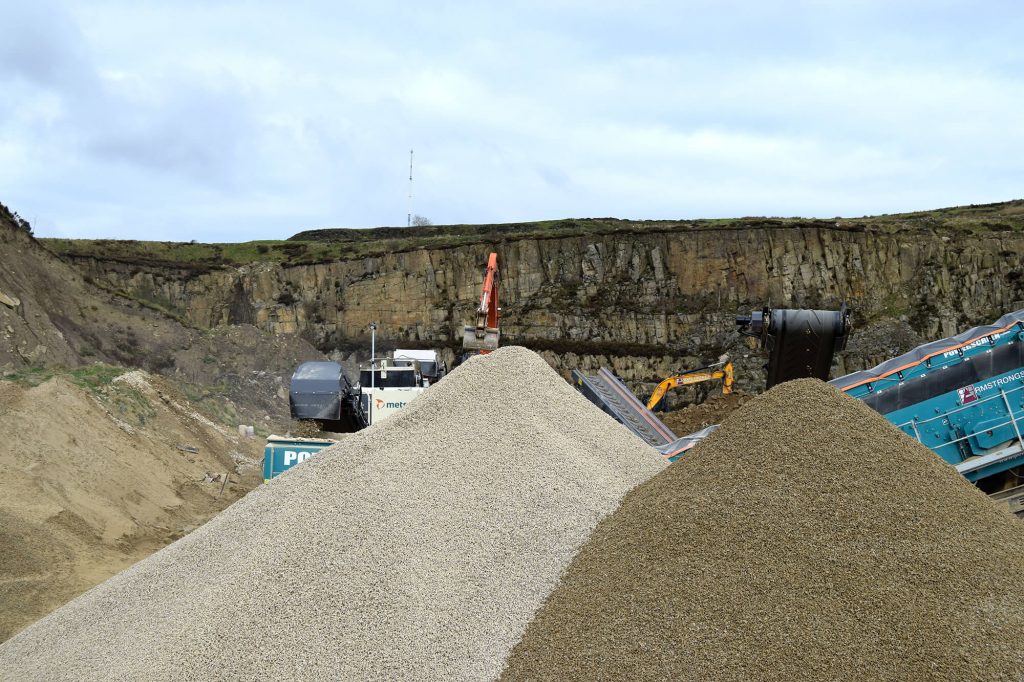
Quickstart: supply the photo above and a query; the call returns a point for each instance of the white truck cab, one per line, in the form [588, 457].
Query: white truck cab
[389, 384]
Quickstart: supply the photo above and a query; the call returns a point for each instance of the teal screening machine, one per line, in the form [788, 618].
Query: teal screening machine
[963, 397]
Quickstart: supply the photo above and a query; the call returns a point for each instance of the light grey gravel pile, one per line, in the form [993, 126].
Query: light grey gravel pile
[418, 549]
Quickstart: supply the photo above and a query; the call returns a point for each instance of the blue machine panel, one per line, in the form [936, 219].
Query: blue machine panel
[963, 397]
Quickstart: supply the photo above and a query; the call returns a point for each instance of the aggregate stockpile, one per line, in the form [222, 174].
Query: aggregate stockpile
[419, 548]
[806, 539]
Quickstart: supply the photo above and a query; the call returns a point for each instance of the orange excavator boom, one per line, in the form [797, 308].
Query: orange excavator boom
[484, 336]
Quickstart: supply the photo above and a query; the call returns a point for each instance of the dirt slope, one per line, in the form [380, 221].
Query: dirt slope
[93, 480]
[51, 316]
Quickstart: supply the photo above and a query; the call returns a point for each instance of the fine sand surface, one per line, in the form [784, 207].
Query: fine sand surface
[93, 481]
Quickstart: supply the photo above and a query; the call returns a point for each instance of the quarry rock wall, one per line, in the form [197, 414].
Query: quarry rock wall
[644, 304]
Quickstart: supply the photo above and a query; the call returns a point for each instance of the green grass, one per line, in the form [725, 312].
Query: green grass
[129, 401]
[211, 402]
[126, 401]
[30, 376]
[93, 377]
[320, 246]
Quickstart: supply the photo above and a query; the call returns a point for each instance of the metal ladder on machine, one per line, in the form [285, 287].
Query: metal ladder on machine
[607, 391]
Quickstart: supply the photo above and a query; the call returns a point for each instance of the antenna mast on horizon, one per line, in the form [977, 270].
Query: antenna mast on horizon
[408, 212]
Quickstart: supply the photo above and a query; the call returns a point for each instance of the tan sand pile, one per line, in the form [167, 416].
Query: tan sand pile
[807, 539]
[418, 549]
[92, 481]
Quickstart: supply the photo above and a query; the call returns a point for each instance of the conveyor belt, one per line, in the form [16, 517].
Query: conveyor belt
[607, 392]
[1012, 498]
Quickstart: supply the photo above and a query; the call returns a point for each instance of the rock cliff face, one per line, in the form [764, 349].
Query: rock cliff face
[645, 304]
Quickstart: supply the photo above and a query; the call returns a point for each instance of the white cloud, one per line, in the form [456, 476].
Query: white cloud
[234, 121]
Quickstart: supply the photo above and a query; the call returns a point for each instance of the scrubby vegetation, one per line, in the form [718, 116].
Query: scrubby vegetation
[20, 222]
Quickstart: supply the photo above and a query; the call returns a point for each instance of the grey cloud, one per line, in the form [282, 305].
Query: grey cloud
[257, 119]
[201, 132]
[42, 44]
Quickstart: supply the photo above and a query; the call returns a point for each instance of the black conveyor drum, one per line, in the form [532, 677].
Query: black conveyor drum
[800, 343]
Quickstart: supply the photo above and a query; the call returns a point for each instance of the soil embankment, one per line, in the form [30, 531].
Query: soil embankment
[98, 471]
[91, 478]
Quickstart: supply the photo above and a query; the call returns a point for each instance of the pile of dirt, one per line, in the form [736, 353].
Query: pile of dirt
[807, 539]
[98, 471]
[419, 548]
[714, 410]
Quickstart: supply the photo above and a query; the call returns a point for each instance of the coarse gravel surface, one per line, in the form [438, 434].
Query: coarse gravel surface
[806, 539]
[417, 549]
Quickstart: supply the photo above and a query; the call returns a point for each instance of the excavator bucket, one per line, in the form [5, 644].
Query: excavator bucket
[472, 339]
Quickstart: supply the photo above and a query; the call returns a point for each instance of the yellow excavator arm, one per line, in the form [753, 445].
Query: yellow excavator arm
[720, 370]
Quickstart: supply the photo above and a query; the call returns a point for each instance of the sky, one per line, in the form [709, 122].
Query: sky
[232, 121]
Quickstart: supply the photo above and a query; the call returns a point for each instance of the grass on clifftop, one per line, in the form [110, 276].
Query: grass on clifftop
[191, 256]
[320, 246]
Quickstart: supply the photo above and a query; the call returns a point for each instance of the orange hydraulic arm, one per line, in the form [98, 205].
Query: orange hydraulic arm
[484, 336]
[488, 310]
[720, 370]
